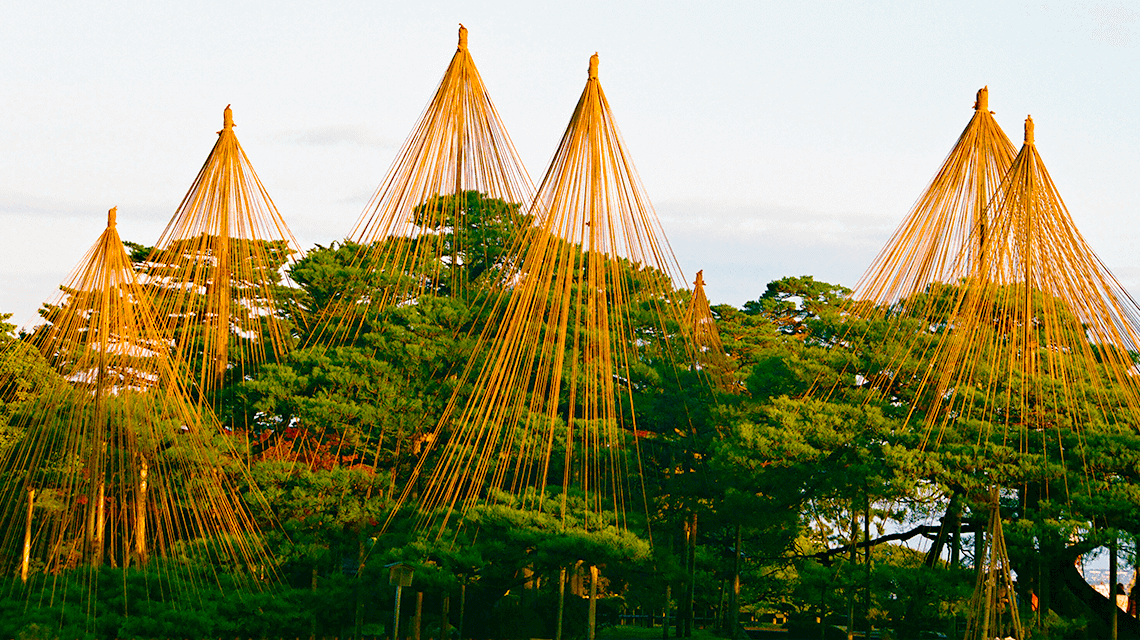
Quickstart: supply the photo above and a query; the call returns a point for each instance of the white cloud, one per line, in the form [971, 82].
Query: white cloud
[335, 134]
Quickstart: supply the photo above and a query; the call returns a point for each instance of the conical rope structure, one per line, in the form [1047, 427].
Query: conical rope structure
[710, 356]
[947, 221]
[1039, 339]
[550, 406]
[216, 270]
[419, 231]
[111, 464]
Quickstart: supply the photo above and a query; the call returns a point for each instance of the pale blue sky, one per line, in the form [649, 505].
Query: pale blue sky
[774, 138]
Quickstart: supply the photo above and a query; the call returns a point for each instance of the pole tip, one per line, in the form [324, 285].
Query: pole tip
[700, 281]
[982, 103]
[594, 66]
[228, 119]
[112, 214]
[462, 37]
[1028, 129]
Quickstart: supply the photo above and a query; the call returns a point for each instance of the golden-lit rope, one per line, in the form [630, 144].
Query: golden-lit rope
[112, 463]
[926, 246]
[707, 347]
[459, 147]
[1022, 333]
[1042, 325]
[557, 368]
[216, 267]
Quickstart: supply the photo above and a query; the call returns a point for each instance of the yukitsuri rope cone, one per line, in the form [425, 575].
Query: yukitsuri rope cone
[550, 406]
[111, 464]
[216, 269]
[416, 230]
[1042, 326]
[947, 220]
[709, 354]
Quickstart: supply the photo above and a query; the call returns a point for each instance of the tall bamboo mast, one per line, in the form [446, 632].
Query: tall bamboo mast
[551, 404]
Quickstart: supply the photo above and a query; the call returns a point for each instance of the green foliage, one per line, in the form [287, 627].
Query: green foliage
[813, 445]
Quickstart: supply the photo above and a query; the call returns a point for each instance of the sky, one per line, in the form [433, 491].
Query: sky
[774, 139]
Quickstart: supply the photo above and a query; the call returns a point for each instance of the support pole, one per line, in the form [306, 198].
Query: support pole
[396, 614]
[419, 615]
[140, 513]
[593, 603]
[734, 617]
[867, 562]
[1112, 567]
[690, 590]
[26, 559]
[100, 524]
[462, 606]
[561, 602]
[445, 618]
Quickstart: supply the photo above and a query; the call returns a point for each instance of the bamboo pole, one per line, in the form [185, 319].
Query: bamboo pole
[462, 606]
[561, 602]
[735, 617]
[593, 621]
[140, 513]
[1112, 568]
[418, 626]
[100, 524]
[26, 559]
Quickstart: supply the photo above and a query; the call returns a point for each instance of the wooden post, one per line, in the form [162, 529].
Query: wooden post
[140, 513]
[593, 620]
[867, 562]
[100, 524]
[668, 605]
[690, 591]
[990, 576]
[419, 615]
[396, 614]
[1112, 584]
[734, 617]
[561, 602]
[462, 606]
[26, 559]
[854, 559]
[445, 618]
